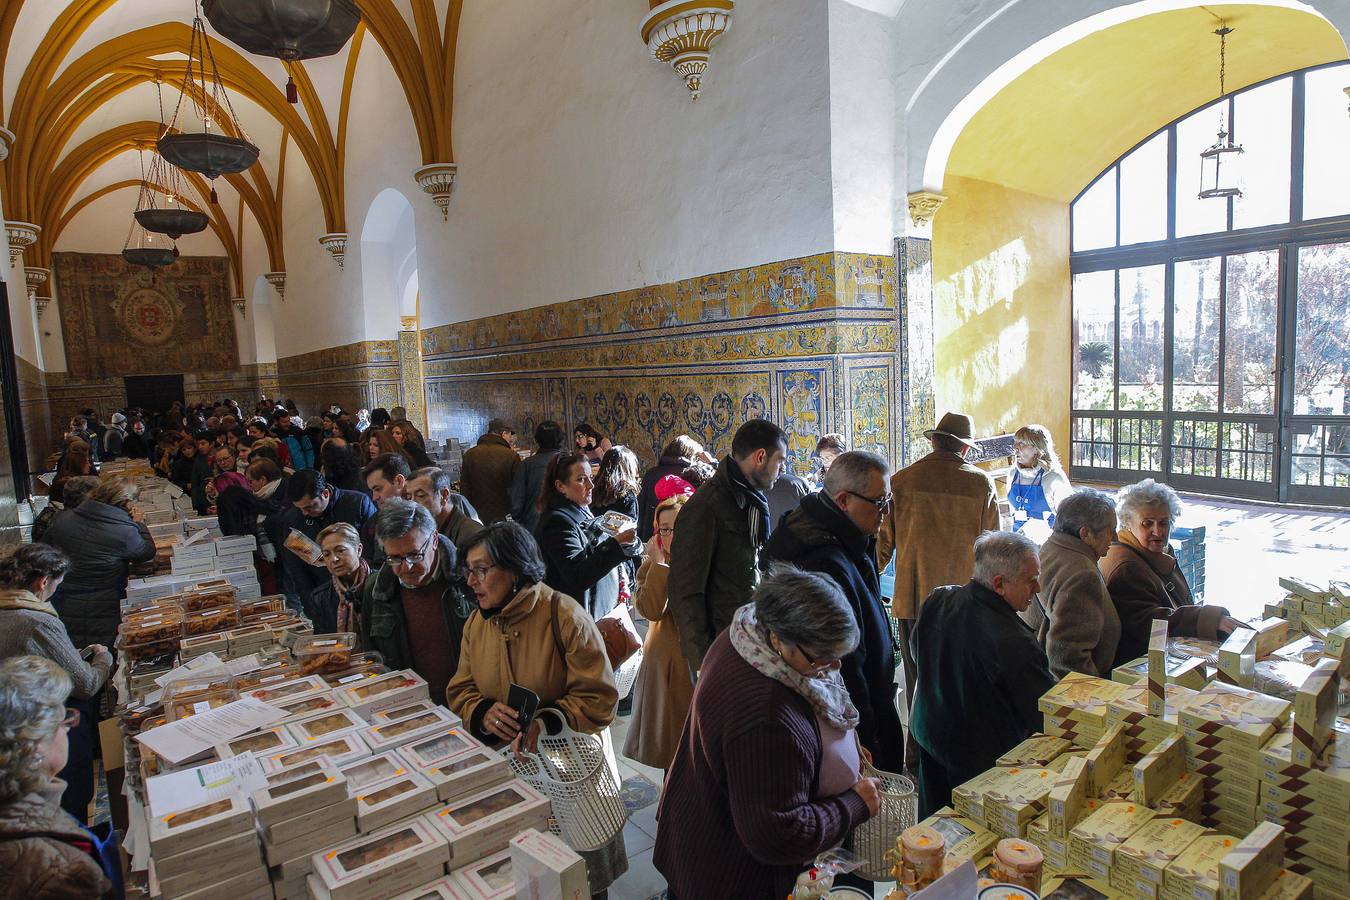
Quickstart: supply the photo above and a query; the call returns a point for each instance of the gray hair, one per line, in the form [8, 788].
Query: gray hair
[1001, 553]
[853, 470]
[77, 488]
[438, 478]
[1133, 498]
[806, 610]
[1088, 509]
[397, 517]
[33, 692]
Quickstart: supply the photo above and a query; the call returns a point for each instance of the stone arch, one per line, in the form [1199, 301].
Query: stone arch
[388, 261]
[966, 62]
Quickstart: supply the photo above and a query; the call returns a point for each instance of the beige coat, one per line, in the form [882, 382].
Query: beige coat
[45, 868]
[485, 477]
[941, 505]
[1083, 629]
[518, 645]
[664, 691]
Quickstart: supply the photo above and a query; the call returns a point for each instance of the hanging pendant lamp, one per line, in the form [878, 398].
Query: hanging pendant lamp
[289, 30]
[146, 248]
[159, 207]
[211, 153]
[1215, 181]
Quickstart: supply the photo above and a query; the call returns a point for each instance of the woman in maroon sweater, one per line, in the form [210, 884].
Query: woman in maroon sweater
[766, 775]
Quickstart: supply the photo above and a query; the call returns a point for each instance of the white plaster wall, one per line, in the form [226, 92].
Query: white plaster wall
[388, 251]
[862, 135]
[584, 168]
[22, 318]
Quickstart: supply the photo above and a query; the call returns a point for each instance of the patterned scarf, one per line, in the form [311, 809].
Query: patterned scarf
[826, 694]
[348, 618]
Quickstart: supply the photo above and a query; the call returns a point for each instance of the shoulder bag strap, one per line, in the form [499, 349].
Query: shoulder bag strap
[557, 631]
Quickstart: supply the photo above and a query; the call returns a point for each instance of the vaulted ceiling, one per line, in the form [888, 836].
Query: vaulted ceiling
[81, 85]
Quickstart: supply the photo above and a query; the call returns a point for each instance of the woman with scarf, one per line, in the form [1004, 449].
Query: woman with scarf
[337, 602]
[525, 632]
[241, 511]
[767, 774]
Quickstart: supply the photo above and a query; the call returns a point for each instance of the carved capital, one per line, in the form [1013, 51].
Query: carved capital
[923, 205]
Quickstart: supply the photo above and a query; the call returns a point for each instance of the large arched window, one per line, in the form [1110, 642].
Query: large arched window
[1211, 336]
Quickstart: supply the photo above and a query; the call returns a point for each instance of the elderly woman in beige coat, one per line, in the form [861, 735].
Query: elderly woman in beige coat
[1074, 617]
[526, 633]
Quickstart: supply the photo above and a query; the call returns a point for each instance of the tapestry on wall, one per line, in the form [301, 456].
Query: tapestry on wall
[121, 320]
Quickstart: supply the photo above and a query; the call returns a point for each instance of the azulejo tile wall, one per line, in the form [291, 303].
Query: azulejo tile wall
[810, 343]
[365, 373]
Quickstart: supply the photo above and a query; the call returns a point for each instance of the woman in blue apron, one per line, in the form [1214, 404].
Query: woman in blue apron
[1036, 482]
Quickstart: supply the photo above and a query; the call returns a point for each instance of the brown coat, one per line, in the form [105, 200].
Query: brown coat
[664, 689]
[941, 505]
[486, 474]
[518, 645]
[1145, 586]
[1083, 629]
[45, 868]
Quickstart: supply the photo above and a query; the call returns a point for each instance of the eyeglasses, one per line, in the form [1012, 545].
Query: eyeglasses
[665, 532]
[411, 559]
[879, 502]
[71, 720]
[820, 665]
[478, 573]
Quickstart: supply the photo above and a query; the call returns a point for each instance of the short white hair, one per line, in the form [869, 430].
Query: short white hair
[33, 692]
[1133, 498]
[1001, 553]
[852, 471]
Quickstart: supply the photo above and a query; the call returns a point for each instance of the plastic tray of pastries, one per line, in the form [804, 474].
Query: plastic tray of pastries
[362, 672]
[304, 707]
[209, 621]
[188, 687]
[208, 597]
[204, 643]
[141, 630]
[275, 672]
[187, 707]
[258, 606]
[325, 725]
[319, 653]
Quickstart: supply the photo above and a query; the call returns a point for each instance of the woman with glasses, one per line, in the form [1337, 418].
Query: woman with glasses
[583, 559]
[337, 602]
[663, 691]
[767, 773]
[527, 633]
[44, 853]
[29, 626]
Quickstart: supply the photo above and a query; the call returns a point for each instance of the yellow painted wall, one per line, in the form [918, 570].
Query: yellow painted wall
[1002, 317]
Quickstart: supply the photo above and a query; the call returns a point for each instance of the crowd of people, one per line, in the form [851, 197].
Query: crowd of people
[768, 680]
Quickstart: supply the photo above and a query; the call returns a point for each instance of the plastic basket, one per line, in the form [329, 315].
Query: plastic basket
[625, 676]
[874, 840]
[580, 777]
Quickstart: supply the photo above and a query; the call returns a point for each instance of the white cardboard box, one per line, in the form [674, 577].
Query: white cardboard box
[380, 864]
[299, 790]
[490, 878]
[388, 735]
[343, 748]
[468, 773]
[390, 689]
[199, 825]
[388, 801]
[484, 823]
[547, 869]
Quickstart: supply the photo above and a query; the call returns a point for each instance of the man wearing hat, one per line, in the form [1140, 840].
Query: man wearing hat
[941, 505]
[487, 471]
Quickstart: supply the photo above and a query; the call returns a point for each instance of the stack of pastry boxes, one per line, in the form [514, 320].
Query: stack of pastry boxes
[1225, 727]
[209, 852]
[1305, 782]
[1310, 608]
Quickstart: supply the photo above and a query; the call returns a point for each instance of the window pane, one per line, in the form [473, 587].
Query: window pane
[1196, 216]
[1326, 190]
[1094, 339]
[1094, 215]
[1143, 193]
[1141, 338]
[1321, 455]
[1261, 125]
[1195, 339]
[1322, 337]
[1249, 332]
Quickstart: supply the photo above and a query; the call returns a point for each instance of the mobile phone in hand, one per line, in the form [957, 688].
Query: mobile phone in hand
[87, 654]
[525, 702]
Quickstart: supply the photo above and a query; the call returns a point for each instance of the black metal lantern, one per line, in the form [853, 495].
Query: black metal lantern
[1215, 180]
[289, 30]
[151, 257]
[160, 207]
[212, 153]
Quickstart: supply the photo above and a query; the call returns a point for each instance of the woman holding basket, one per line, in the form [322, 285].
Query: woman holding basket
[526, 633]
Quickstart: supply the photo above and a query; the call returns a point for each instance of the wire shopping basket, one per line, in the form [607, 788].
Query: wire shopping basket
[625, 676]
[874, 840]
[580, 777]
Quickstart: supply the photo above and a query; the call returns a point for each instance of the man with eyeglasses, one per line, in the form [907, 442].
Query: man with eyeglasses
[414, 607]
[314, 504]
[833, 532]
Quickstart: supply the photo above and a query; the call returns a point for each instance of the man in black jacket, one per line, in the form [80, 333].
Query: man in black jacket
[314, 505]
[833, 532]
[981, 669]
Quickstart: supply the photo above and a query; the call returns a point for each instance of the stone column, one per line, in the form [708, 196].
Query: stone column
[914, 264]
[412, 383]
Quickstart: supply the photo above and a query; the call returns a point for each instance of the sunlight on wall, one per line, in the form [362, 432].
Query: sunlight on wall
[1001, 284]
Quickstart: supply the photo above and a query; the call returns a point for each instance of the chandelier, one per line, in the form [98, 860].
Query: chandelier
[159, 207]
[1215, 181]
[290, 30]
[211, 153]
[145, 248]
